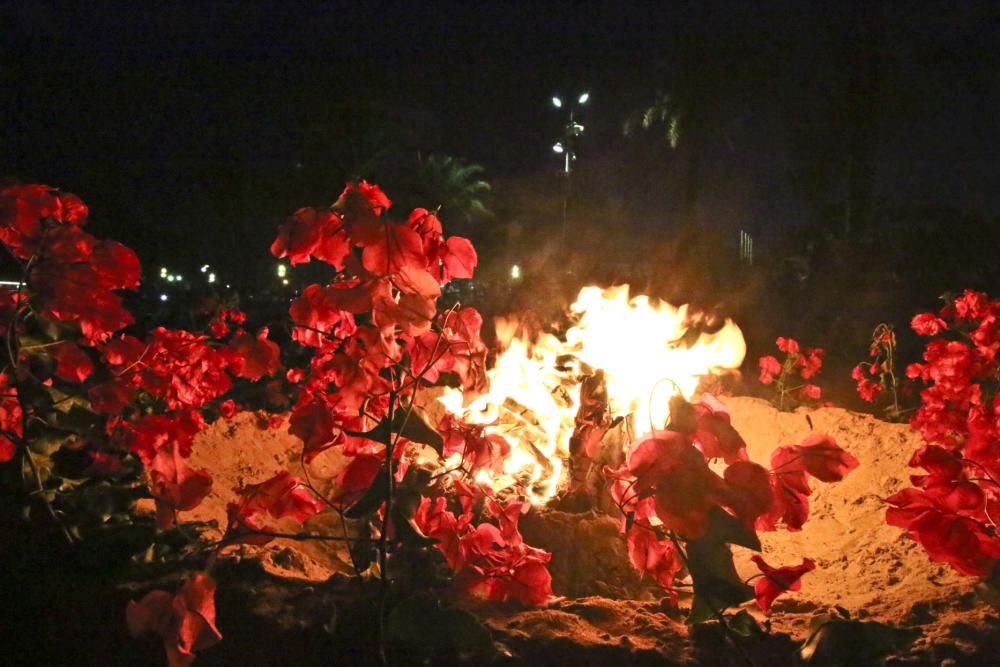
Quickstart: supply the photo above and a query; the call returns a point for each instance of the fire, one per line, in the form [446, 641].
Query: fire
[646, 352]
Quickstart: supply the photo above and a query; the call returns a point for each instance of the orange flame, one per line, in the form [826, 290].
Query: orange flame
[646, 352]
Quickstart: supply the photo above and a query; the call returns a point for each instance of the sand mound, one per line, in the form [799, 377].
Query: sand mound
[871, 569]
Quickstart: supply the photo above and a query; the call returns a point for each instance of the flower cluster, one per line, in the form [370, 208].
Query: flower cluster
[669, 495]
[490, 561]
[951, 509]
[791, 377]
[97, 413]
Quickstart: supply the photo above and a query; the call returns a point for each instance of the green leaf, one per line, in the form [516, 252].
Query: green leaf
[836, 642]
[412, 426]
[76, 419]
[717, 586]
[724, 527]
[49, 443]
[373, 497]
[743, 623]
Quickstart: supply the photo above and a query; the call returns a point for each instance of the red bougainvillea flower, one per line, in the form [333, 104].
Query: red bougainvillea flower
[72, 363]
[811, 391]
[324, 314]
[479, 450]
[769, 369]
[148, 434]
[361, 206]
[653, 556]
[787, 345]
[823, 458]
[434, 520]
[776, 581]
[10, 418]
[928, 324]
[175, 486]
[950, 521]
[309, 233]
[810, 362]
[185, 622]
[791, 466]
[749, 492]
[227, 409]
[684, 487]
[254, 357]
[74, 277]
[27, 211]
[715, 435]
[867, 389]
[284, 495]
[489, 561]
[500, 566]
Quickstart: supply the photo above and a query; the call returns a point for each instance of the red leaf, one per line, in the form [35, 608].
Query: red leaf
[652, 556]
[398, 246]
[185, 622]
[174, 485]
[72, 363]
[256, 357]
[715, 435]
[778, 580]
[459, 258]
[824, 459]
[750, 493]
[281, 496]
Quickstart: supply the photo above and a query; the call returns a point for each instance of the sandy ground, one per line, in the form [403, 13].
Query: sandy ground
[869, 568]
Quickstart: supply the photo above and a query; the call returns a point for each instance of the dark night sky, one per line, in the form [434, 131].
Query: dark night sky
[185, 118]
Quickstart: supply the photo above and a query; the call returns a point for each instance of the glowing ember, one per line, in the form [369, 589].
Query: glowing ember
[645, 351]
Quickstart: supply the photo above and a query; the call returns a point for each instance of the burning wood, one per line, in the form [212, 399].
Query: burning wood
[593, 419]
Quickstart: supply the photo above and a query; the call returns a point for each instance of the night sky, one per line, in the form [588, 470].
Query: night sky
[191, 129]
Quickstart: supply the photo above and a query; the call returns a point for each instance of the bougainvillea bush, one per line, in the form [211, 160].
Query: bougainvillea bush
[953, 506]
[680, 515]
[792, 377]
[95, 418]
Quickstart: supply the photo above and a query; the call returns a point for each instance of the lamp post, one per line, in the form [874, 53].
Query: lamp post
[566, 147]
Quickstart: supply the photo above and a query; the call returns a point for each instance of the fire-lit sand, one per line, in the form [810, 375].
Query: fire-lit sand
[864, 565]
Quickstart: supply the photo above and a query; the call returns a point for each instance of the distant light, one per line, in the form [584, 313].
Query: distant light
[163, 297]
[557, 103]
[170, 279]
[515, 272]
[204, 269]
[558, 148]
[583, 98]
[179, 278]
[285, 281]
[227, 286]
[282, 270]
[211, 277]
[163, 272]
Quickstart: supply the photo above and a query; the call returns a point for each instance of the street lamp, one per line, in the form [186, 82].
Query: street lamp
[566, 147]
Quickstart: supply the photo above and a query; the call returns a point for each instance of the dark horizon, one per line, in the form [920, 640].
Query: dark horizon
[198, 122]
